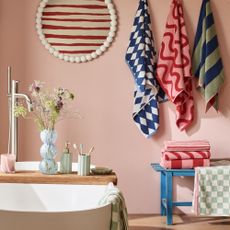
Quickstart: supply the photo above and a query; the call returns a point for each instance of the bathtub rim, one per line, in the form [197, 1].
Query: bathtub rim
[34, 165]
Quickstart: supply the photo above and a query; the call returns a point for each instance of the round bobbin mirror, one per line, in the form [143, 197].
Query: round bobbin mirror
[76, 30]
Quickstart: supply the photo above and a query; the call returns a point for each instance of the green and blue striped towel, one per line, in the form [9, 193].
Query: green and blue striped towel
[207, 63]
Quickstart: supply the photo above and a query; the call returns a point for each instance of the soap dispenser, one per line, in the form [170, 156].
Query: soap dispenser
[66, 160]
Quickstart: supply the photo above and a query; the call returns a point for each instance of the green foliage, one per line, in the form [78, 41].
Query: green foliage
[20, 110]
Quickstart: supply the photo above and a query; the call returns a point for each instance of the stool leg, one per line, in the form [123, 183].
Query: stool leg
[169, 198]
[163, 193]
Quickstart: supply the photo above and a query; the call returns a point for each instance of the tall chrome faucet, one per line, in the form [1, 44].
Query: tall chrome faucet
[13, 96]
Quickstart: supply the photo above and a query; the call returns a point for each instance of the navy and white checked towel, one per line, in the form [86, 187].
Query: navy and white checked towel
[141, 57]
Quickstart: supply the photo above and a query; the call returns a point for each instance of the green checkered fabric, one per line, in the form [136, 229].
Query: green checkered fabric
[119, 216]
[214, 191]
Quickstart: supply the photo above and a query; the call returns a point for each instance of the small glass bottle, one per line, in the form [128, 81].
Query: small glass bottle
[66, 160]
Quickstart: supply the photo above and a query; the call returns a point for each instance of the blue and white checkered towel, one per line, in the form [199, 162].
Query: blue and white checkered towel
[141, 57]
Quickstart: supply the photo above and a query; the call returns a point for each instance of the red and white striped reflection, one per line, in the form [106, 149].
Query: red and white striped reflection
[76, 27]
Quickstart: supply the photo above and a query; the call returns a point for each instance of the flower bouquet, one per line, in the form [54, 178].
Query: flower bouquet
[48, 107]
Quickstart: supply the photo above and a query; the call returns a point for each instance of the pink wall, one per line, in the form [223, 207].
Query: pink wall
[104, 92]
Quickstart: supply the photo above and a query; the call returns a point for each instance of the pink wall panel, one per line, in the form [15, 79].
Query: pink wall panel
[104, 97]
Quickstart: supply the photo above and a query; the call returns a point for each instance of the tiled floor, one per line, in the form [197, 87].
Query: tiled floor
[182, 222]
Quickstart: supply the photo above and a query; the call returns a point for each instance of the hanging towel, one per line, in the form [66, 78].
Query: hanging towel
[119, 217]
[212, 191]
[141, 58]
[207, 63]
[174, 66]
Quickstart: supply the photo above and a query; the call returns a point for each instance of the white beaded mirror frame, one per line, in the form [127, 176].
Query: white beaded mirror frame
[76, 30]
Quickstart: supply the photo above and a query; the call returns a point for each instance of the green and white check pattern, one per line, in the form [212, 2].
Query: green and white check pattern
[214, 191]
[119, 215]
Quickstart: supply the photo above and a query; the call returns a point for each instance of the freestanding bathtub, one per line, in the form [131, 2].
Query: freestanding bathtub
[53, 207]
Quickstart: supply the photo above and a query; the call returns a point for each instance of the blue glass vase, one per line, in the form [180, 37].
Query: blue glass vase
[48, 152]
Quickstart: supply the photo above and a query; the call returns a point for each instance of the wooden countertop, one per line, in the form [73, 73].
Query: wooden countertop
[35, 177]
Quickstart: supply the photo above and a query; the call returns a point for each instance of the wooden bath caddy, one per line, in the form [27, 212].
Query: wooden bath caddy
[35, 177]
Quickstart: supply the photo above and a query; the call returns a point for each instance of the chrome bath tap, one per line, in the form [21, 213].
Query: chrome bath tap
[13, 96]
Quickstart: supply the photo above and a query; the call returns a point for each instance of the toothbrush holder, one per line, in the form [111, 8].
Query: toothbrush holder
[83, 164]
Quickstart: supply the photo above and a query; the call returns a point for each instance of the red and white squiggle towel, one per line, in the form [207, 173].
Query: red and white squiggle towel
[184, 164]
[174, 66]
[186, 155]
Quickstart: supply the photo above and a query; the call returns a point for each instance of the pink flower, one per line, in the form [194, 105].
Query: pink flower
[36, 86]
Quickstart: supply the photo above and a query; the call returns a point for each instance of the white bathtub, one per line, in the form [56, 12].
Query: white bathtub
[53, 207]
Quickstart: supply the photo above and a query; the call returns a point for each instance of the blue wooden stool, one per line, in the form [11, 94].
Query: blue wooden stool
[166, 189]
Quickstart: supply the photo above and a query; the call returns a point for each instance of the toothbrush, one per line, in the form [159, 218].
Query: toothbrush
[91, 150]
[81, 149]
[76, 148]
